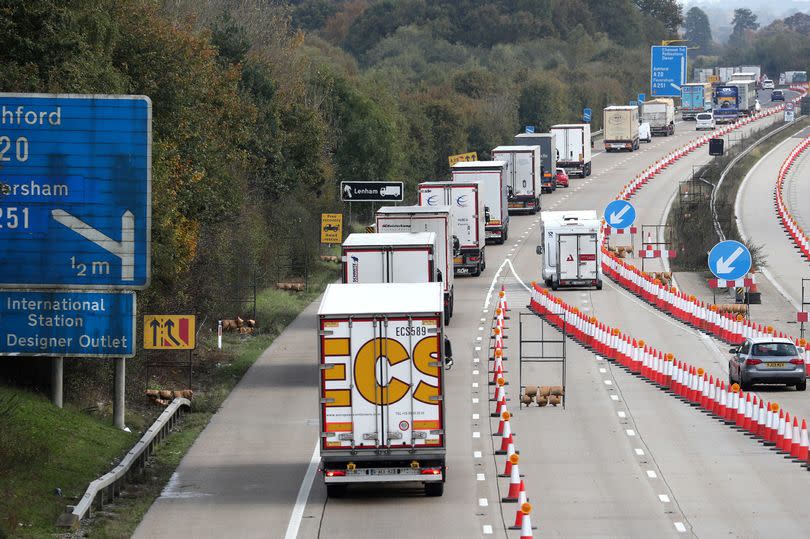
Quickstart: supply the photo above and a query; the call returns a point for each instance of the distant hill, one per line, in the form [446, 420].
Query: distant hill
[720, 12]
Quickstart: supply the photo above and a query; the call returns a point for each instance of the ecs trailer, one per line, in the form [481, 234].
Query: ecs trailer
[435, 219]
[696, 97]
[573, 143]
[494, 181]
[570, 250]
[382, 386]
[469, 215]
[621, 128]
[548, 156]
[524, 176]
[660, 114]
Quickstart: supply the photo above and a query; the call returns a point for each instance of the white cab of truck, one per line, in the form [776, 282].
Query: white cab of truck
[573, 142]
[570, 249]
[621, 128]
[438, 220]
[466, 203]
[660, 114]
[390, 258]
[523, 173]
[381, 390]
[494, 180]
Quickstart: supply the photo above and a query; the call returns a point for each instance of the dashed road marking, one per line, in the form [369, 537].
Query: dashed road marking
[630, 432]
[480, 477]
[476, 454]
[483, 502]
[621, 414]
[487, 529]
[476, 434]
[664, 498]
[651, 474]
[680, 527]
[639, 452]
[476, 416]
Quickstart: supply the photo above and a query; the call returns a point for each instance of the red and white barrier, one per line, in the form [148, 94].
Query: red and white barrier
[797, 235]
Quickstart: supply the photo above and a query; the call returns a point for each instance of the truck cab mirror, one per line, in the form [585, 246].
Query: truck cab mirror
[439, 276]
[510, 192]
[539, 249]
[456, 245]
[486, 213]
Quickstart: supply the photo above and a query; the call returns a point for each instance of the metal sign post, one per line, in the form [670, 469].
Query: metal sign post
[802, 315]
[542, 349]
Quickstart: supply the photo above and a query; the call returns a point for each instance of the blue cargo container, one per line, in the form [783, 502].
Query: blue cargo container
[726, 104]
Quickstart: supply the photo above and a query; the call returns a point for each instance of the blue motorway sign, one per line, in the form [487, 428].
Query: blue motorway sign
[667, 70]
[529, 129]
[75, 191]
[587, 113]
[620, 214]
[730, 260]
[72, 324]
[642, 98]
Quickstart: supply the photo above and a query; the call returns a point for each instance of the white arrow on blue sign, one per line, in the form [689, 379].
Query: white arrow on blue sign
[730, 260]
[620, 214]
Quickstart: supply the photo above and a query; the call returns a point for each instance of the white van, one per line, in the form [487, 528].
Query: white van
[705, 120]
[644, 132]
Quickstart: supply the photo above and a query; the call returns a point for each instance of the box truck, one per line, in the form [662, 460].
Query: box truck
[726, 99]
[548, 157]
[523, 176]
[381, 390]
[660, 114]
[695, 98]
[621, 128]
[494, 180]
[573, 143]
[570, 251]
[747, 96]
[435, 219]
[468, 212]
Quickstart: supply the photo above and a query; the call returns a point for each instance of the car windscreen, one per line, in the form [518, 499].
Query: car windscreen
[704, 116]
[778, 349]
[777, 92]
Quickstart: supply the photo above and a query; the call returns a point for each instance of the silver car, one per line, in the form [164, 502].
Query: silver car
[767, 360]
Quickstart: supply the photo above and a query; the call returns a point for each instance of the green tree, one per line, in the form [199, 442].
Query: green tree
[698, 30]
[744, 20]
[667, 12]
[542, 104]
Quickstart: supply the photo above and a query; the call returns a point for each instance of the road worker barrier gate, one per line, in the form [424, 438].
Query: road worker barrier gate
[539, 342]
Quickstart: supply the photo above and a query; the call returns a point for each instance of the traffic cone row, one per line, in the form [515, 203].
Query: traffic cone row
[741, 410]
[798, 236]
[516, 491]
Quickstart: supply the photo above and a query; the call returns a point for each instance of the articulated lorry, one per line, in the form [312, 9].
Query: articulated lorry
[434, 219]
[466, 201]
[726, 102]
[523, 176]
[494, 179]
[548, 157]
[747, 96]
[573, 142]
[381, 390]
[621, 128]
[696, 97]
[571, 255]
[660, 114]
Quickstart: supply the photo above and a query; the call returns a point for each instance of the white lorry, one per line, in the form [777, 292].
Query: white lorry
[548, 157]
[494, 179]
[381, 388]
[660, 114]
[621, 128]
[523, 176]
[469, 215]
[435, 219]
[747, 95]
[573, 143]
[570, 251]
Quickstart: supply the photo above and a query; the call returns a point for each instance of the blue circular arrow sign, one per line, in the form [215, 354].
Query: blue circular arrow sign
[620, 214]
[730, 260]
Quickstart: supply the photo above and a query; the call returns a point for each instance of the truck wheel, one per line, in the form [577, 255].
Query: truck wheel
[335, 491]
[447, 317]
[801, 386]
[434, 489]
[554, 285]
[589, 169]
[483, 260]
[599, 285]
[548, 282]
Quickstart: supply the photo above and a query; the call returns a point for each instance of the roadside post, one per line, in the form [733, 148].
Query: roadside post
[75, 200]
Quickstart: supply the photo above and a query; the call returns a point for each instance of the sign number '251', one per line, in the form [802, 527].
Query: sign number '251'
[425, 358]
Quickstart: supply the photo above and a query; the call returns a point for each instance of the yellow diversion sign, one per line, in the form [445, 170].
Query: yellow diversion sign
[469, 156]
[169, 331]
[331, 228]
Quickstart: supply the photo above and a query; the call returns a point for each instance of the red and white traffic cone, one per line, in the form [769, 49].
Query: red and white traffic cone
[506, 436]
[519, 513]
[505, 415]
[507, 468]
[514, 481]
[526, 525]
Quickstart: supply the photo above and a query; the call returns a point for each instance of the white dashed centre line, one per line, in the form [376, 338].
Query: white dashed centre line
[480, 477]
[483, 502]
[651, 474]
[639, 452]
[630, 432]
[664, 498]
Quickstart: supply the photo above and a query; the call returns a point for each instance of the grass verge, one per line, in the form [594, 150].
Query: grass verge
[77, 447]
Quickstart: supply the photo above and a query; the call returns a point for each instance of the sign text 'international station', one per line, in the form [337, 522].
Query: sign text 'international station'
[75, 191]
[372, 191]
[667, 70]
[75, 324]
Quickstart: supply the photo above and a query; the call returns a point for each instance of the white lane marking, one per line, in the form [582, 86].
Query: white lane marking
[483, 320]
[480, 328]
[651, 474]
[480, 477]
[664, 498]
[614, 397]
[680, 527]
[475, 372]
[475, 384]
[487, 529]
[478, 338]
[621, 414]
[603, 371]
[476, 454]
[476, 434]
[303, 494]
[639, 452]
[477, 348]
[475, 400]
[630, 432]
[475, 360]
[483, 502]
[608, 382]
[476, 416]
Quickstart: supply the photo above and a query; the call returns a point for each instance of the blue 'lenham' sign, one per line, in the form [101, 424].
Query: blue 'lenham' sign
[75, 191]
[73, 324]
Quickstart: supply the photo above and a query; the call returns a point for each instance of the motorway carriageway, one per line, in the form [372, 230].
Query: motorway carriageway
[623, 459]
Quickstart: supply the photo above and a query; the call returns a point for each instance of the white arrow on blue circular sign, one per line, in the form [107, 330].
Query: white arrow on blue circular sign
[620, 214]
[730, 260]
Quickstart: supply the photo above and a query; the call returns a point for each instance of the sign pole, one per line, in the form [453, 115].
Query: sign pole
[57, 377]
[119, 391]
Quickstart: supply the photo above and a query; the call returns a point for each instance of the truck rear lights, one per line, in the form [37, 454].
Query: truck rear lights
[335, 473]
[472, 259]
[432, 471]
